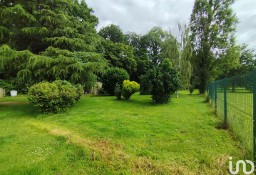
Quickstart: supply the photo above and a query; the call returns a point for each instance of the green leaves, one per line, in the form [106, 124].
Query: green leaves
[36, 25]
[161, 82]
[54, 97]
[75, 67]
[212, 27]
[112, 78]
[129, 88]
[49, 40]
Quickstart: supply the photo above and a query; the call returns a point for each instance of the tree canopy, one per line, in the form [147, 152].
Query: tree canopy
[212, 27]
[48, 40]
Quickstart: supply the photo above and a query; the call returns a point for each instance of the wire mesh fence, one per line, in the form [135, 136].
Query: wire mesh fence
[234, 100]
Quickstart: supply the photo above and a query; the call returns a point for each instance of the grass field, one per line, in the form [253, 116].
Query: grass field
[101, 135]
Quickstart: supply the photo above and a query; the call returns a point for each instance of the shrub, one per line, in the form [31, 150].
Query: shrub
[54, 97]
[164, 80]
[191, 89]
[118, 92]
[129, 88]
[145, 85]
[6, 85]
[112, 77]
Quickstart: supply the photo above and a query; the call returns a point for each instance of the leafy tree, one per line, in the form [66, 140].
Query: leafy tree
[112, 33]
[164, 80]
[229, 62]
[185, 67]
[161, 82]
[119, 55]
[212, 27]
[37, 25]
[49, 40]
[247, 61]
[152, 44]
[53, 64]
[140, 54]
[170, 48]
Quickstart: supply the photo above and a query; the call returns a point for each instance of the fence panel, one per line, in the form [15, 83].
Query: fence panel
[233, 99]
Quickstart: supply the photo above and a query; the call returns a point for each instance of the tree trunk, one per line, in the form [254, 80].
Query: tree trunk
[202, 84]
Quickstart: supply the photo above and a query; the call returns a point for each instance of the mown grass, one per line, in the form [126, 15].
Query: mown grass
[101, 135]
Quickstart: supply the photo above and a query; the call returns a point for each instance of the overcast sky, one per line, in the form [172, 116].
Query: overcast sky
[141, 15]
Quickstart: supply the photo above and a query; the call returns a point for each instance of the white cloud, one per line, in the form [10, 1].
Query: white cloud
[141, 15]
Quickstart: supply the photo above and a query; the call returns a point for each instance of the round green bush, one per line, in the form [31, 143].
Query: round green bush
[114, 76]
[54, 97]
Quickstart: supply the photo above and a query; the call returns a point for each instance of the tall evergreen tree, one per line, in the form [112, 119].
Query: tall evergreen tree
[212, 26]
[48, 40]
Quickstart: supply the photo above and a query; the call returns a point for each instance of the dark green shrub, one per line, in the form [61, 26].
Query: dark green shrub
[191, 89]
[6, 85]
[112, 77]
[164, 80]
[145, 85]
[129, 88]
[53, 97]
[118, 92]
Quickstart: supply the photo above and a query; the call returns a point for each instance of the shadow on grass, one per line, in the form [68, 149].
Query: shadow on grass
[17, 110]
[141, 103]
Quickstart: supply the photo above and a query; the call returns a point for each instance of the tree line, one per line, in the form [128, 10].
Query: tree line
[57, 39]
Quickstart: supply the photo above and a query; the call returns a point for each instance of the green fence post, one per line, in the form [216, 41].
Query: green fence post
[254, 119]
[225, 103]
[215, 97]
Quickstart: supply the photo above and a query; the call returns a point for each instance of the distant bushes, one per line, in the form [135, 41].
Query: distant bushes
[114, 77]
[54, 97]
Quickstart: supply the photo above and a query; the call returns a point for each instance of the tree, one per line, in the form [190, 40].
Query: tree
[152, 44]
[247, 58]
[247, 61]
[37, 25]
[27, 68]
[119, 55]
[185, 68]
[112, 33]
[48, 40]
[164, 82]
[143, 63]
[212, 27]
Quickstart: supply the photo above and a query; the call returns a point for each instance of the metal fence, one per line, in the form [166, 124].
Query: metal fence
[234, 101]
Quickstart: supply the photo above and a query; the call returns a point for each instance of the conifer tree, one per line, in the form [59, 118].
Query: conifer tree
[48, 40]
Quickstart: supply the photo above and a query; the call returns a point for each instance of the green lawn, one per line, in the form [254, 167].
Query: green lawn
[101, 135]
